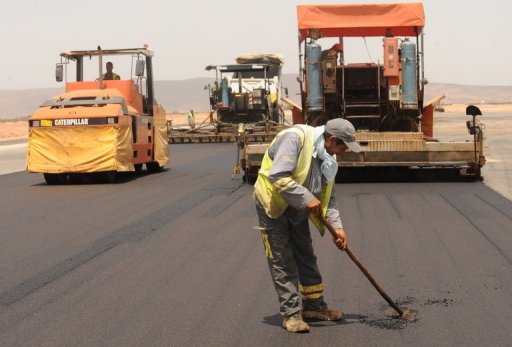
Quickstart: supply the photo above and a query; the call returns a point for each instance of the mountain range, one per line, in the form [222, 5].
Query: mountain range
[182, 95]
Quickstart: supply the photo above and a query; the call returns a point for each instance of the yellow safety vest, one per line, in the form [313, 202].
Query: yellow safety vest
[269, 195]
[114, 76]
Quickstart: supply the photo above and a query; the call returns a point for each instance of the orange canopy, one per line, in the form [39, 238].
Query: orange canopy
[403, 19]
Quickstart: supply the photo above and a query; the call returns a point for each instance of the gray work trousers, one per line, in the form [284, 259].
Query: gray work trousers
[291, 260]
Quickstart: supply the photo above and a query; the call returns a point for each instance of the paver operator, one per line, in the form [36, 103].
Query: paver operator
[296, 181]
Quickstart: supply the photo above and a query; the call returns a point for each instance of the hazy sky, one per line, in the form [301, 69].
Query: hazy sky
[466, 41]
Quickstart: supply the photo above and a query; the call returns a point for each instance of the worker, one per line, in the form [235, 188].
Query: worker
[191, 119]
[110, 75]
[296, 181]
[332, 52]
[215, 90]
[214, 94]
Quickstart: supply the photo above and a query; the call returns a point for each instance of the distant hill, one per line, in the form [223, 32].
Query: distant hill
[21, 103]
[183, 95]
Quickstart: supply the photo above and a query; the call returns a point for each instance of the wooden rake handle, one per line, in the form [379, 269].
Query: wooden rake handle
[364, 270]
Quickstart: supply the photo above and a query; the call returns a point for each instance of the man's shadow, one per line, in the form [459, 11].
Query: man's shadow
[348, 318]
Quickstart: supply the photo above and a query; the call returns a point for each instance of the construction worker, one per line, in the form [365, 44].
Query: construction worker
[332, 52]
[296, 181]
[215, 90]
[191, 119]
[110, 75]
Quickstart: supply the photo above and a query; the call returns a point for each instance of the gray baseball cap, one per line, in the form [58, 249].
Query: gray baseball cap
[343, 130]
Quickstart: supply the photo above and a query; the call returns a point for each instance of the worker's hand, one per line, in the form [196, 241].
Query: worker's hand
[315, 207]
[341, 241]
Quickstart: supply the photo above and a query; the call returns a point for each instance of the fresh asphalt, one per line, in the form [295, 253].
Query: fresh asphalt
[173, 258]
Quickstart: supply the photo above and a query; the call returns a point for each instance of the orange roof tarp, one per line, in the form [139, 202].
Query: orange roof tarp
[404, 19]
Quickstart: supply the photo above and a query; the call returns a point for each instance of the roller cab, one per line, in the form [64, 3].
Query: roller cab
[99, 126]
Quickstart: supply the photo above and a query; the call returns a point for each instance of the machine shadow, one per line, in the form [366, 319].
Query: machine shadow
[102, 178]
[401, 174]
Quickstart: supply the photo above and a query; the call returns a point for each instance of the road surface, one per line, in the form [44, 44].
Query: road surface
[173, 259]
[13, 156]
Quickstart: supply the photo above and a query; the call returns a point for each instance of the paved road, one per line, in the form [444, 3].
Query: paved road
[13, 156]
[172, 259]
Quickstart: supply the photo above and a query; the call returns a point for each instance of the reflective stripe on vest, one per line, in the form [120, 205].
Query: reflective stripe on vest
[269, 194]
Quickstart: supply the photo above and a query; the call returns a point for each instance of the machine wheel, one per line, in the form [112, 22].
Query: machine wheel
[51, 179]
[400, 123]
[111, 176]
[153, 166]
[76, 178]
[87, 178]
[54, 179]
[138, 168]
[250, 175]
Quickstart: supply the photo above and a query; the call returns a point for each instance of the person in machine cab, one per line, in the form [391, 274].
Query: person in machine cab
[332, 52]
[110, 75]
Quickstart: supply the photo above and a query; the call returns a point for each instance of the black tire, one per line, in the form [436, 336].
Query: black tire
[88, 178]
[250, 176]
[51, 179]
[111, 176]
[138, 168]
[153, 166]
[76, 178]
[54, 179]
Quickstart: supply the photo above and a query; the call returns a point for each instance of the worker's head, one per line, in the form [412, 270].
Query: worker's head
[339, 136]
[110, 66]
[336, 47]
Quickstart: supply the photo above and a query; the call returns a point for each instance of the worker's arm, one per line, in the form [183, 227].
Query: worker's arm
[333, 217]
[284, 153]
[333, 214]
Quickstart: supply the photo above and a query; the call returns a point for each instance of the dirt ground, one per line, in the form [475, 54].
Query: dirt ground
[483, 107]
[13, 130]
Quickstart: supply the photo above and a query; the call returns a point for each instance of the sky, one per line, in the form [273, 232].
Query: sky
[466, 41]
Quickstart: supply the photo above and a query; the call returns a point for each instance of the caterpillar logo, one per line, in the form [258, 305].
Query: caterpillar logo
[71, 121]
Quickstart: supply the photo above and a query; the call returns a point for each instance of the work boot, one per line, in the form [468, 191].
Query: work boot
[322, 313]
[295, 324]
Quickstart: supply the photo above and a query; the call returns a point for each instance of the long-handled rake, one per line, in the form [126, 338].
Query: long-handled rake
[396, 312]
